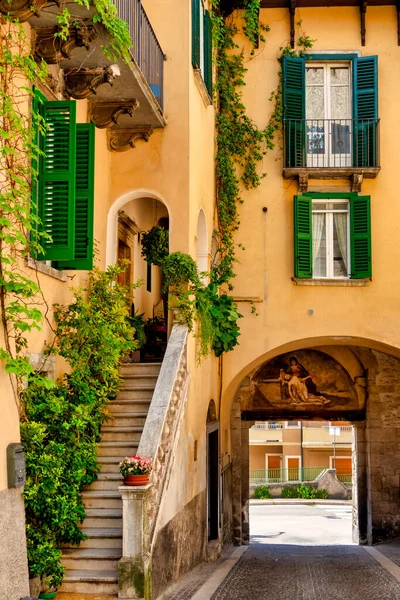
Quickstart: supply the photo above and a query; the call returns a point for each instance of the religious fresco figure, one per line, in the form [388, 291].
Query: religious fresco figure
[300, 385]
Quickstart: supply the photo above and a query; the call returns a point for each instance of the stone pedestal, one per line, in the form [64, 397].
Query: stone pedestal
[131, 569]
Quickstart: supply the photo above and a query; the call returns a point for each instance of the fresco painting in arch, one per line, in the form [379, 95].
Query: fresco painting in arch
[306, 379]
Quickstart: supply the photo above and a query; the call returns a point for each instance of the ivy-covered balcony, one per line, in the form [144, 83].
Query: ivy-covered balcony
[122, 79]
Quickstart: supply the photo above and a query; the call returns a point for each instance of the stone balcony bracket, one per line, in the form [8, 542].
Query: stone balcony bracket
[52, 49]
[121, 139]
[104, 114]
[24, 9]
[84, 82]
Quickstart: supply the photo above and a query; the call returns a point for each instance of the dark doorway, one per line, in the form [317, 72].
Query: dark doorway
[213, 480]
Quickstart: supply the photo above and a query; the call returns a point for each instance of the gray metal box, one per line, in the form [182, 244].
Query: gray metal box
[16, 465]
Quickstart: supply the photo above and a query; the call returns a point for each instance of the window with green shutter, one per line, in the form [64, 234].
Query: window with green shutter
[332, 236]
[330, 111]
[63, 195]
[202, 42]
[84, 200]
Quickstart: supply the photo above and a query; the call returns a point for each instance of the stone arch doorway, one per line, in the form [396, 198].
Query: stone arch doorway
[129, 218]
[331, 383]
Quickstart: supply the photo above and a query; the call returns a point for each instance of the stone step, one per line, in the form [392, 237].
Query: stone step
[91, 559]
[110, 464]
[140, 368]
[126, 419]
[129, 405]
[103, 517]
[101, 537]
[107, 481]
[138, 381]
[141, 395]
[120, 434]
[83, 582]
[102, 499]
[114, 448]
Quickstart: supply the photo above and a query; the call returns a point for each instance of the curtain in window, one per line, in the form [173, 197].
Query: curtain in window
[340, 220]
[318, 220]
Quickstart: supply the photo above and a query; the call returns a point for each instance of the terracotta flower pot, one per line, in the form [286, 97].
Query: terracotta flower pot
[136, 480]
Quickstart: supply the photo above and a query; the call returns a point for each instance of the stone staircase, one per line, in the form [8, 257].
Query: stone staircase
[93, 567]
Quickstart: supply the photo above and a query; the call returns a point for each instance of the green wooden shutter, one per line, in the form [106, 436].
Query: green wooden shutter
[302, 237]
[84, 203]
[56, 182]
[360, 237]
[208, 51]
[196, 33]
[37, 102]
[365, 110]
[294, 110]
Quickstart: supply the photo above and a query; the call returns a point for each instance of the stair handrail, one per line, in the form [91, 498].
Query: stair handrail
[162, 425]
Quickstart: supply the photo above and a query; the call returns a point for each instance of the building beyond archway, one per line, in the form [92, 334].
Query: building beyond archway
[329, 383]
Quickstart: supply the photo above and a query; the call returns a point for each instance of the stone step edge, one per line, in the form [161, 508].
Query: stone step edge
[73, 576]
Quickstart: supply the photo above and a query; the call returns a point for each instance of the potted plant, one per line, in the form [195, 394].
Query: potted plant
[136, 470]
[155, 330]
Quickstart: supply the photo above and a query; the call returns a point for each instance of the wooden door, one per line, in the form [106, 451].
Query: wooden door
[293, 464]
[274, 472]
[343, 466]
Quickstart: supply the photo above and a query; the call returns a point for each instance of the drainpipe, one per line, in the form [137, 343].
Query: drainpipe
[301, 449]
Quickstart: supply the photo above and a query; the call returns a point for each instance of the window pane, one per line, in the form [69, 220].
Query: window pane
[314, 75]
[315, 102]
[339, 75]
[340, 102]
[319, 244]
[340, 245]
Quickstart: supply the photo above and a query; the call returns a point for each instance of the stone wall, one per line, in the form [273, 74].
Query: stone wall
[382, 439]
[14, 583]
[180, 545]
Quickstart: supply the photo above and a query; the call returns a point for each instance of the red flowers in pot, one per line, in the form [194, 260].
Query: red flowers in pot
[136, 470]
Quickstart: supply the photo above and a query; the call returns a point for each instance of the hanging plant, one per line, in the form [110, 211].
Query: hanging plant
[155, 245]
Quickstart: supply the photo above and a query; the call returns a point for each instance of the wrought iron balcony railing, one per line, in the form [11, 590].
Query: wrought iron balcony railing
[146, 49]
[331, 143]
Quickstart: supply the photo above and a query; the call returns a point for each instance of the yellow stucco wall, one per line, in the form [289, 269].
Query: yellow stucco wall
[342, 315]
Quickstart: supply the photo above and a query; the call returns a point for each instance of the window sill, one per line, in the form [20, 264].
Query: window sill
[41, 267]
[332, 282]
[201, 86]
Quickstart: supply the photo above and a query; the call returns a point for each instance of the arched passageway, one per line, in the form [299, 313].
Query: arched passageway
[130, 217]
[331, 383]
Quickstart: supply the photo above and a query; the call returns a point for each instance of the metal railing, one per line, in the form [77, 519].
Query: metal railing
[146, 49]
[331, 143]
[346, 479]
[260, 476]
[264, 426]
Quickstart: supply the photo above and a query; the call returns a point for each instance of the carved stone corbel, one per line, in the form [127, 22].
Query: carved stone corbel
[122, 139]
[23, 10]
[356, 182]
[52, 48]
[104, 114]
[84, 82]
[303, 182]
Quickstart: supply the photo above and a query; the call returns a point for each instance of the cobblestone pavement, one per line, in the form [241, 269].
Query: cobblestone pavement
[286, 572]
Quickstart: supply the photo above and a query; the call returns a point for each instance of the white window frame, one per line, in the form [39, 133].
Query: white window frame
[329, 236]
[266, 463]
[328, 159]
[287, 465]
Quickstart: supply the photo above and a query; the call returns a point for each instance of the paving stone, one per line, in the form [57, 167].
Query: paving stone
[308, 573]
